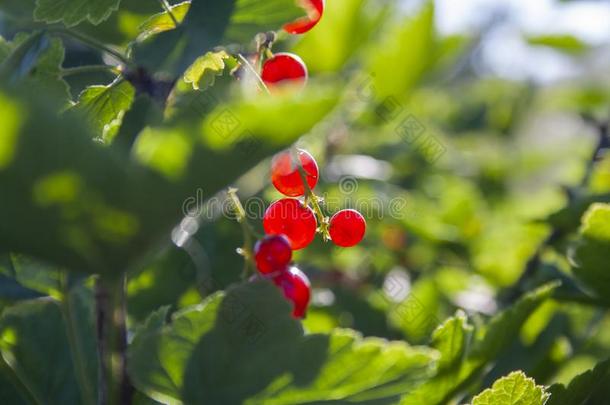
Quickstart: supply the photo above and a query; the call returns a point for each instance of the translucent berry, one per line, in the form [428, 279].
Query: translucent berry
[347, 228]
[296, 288]
[289, 217]
[272, 253]
[286, 176]
[284, 68]
[315, 9]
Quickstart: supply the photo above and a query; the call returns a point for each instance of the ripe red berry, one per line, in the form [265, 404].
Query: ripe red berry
[286, 176]
[273, 253]
[296, 288]
[347, 228]
[291, 218]
[315, 9]
[284, 68]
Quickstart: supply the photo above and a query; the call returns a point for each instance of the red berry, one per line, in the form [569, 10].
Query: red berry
[286, 176]
[284, 67]
[315, 9]
[291, 218]
[347, 228]
[296, 288]
[272, 254]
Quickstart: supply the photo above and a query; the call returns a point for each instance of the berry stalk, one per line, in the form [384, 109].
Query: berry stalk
[310, 196]
[248, 233]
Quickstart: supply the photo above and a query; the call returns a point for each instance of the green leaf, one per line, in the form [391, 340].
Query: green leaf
[162, 21]
[154, 323]
[565, 43]
[589, 387]
[44, 368]
[487, 343]
[73, 12]
[514, 389]
[89, 200]
[591, 253]
[8, 391]
[202, 73]
[209, 24]
[400, 58]
[35, 275]
[596, 223]
[104, 107]
[568, 219]
[35, 59]
[244, 328]
[451, 340]
[10, 289]
[345, 28]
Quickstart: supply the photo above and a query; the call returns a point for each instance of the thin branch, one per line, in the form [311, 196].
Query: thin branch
[91, 42]
[247, 251]
[78, 70]
[310, 195]
[114, 386]
[76, 348]
[253, 71]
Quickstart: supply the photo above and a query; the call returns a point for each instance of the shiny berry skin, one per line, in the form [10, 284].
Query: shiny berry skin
[289, 217]
[286, 176]
[347, 228]
[315, 9]
[284, 68]
[272, 253]
[296, 288]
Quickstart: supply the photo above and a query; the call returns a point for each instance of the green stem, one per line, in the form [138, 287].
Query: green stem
[248, 233]
[89, 69]
[168, 10]
[114, 387]
[249, 67]
[76, 348]
[92, 43]
[311, 196]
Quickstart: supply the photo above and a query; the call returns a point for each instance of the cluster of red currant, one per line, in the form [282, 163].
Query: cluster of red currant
[287, 67]
[291, 224]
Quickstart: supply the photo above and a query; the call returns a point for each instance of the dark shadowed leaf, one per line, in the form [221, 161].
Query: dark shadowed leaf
[72, 12]
[61, 367]
[207, 353]
[591, 253]
[588, 388]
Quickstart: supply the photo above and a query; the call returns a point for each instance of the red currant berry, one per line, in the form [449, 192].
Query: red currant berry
[315, 9]
[284, 67]
[291, 218]
[347, 228]
[296, 288]
[273, 253]
[286, 176]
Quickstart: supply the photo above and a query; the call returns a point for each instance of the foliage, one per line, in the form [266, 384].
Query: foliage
[123, 123]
